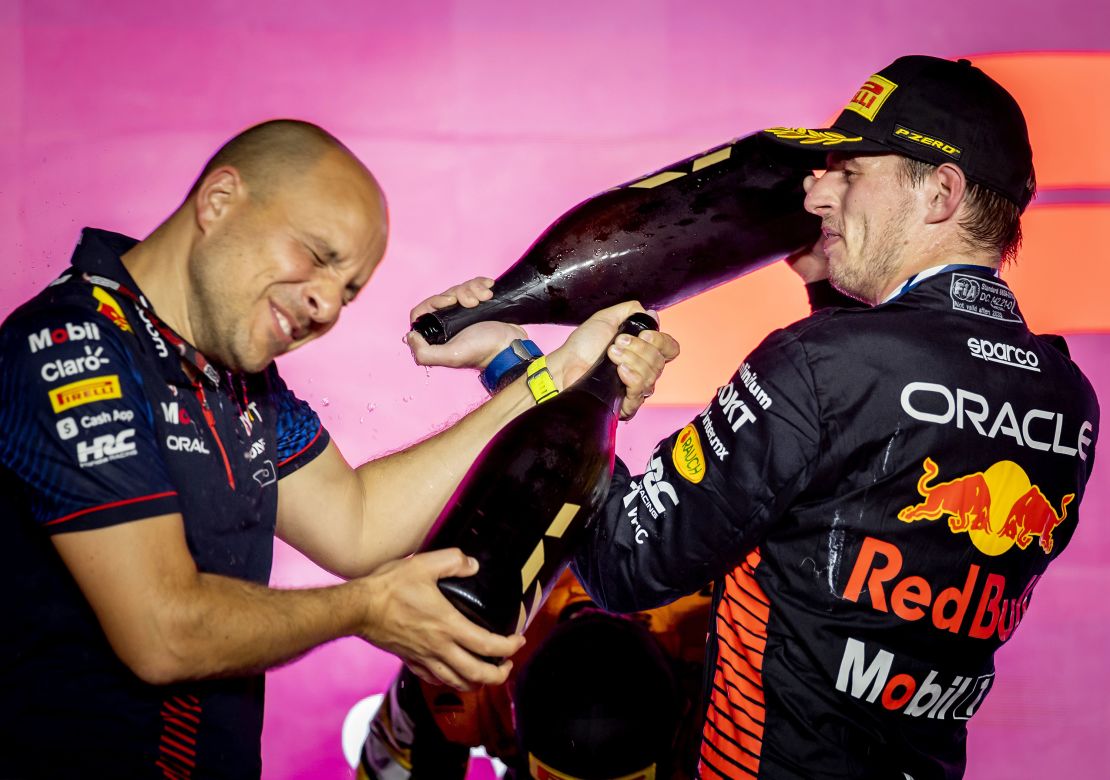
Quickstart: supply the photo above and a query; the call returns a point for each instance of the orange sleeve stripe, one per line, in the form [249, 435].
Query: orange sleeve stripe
[746, 671]
[740, 646]
[746, 607]
[716, 746]
[741, 697]
[740, 633]
[740, 712]
[708, 771]
[753, 692]
[722, 721]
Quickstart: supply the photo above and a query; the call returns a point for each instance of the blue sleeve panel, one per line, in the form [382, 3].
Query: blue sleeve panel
[300, 434]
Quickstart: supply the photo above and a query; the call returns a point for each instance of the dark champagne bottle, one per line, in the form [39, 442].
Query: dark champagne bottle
[659, 240]
[525, 502]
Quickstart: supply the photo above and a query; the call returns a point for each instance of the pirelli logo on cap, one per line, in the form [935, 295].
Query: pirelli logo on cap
[86, 391]
[933, 143]
[871, 96]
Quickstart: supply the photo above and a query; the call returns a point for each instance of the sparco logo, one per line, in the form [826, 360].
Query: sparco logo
[48, 337]
[105, 448]
[1006, 354]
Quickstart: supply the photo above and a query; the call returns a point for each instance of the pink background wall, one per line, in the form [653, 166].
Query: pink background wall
[484, 120]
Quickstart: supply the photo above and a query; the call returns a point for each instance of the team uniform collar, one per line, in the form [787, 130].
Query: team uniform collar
[96, 261]
[928, 273]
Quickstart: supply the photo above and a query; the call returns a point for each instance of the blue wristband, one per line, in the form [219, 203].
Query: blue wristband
[501, 369]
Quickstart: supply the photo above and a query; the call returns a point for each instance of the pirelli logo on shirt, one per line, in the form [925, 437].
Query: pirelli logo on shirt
[101, 388]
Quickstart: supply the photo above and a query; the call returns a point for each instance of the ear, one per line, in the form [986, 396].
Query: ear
[217, 194]
[947, 187]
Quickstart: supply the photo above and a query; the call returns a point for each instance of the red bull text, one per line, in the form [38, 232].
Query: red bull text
[877, 576]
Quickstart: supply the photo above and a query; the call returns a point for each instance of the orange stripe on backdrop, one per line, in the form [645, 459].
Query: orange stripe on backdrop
[717, 328]
[1060, 278]
[1064, 97]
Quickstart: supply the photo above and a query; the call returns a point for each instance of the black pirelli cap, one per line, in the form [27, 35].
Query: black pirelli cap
[936, 111]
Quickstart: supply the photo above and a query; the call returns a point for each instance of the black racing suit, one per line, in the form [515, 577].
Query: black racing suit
[878, 492]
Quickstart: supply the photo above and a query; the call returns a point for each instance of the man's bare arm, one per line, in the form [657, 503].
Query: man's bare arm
[353, 520]
[168, 622]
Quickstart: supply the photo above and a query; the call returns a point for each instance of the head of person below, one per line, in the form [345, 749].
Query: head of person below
[150, 452]
[877, 489]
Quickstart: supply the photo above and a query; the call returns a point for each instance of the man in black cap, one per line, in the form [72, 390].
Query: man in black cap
[878, 489]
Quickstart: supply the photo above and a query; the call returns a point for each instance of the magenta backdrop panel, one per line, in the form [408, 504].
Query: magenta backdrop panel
[484, 120]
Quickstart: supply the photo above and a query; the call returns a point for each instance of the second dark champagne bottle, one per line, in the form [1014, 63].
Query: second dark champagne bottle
[659, 240]
[526, 501]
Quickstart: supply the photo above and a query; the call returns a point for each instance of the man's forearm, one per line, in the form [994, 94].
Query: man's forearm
[406, 491]
[221, 626]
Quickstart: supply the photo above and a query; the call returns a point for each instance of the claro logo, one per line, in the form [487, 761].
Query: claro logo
[1006, 354]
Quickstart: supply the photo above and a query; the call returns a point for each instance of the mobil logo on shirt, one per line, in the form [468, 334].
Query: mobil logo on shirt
[878, 676]
[175, 413]
[49, 337]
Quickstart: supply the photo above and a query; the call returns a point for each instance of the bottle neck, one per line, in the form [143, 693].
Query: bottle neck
[603, 383]
[601, 380]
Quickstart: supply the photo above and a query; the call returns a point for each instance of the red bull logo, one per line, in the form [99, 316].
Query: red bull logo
[996, 508]
[110, 309]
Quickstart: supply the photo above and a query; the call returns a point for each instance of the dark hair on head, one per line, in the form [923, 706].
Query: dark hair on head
[992, 222]
[264, 153]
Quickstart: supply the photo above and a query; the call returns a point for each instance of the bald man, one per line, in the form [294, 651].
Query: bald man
[149, 452]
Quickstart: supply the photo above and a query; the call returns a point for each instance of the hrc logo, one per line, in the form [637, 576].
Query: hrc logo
[871, 96]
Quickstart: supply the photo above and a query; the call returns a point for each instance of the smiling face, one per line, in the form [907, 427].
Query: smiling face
[866, 208]
[272, 273]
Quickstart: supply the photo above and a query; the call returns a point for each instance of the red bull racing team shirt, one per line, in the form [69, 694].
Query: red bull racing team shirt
[106, 417]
